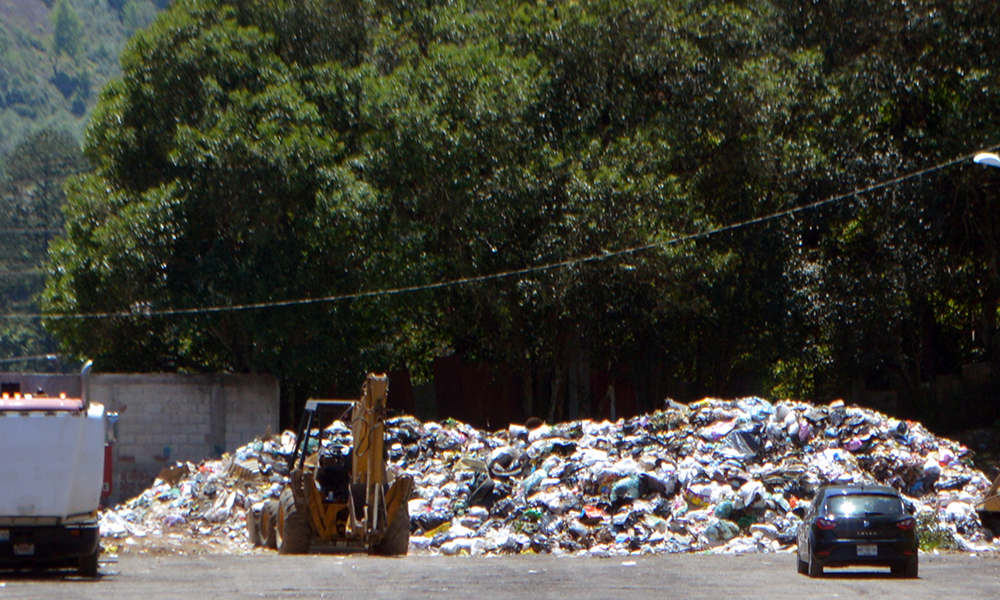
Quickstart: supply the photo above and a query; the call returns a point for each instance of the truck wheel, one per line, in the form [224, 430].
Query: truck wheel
[253, 528]
[396, 541]
[88, 564]
[293, 534]
[268, 524]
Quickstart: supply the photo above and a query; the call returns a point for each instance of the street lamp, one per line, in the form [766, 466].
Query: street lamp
[987, 158]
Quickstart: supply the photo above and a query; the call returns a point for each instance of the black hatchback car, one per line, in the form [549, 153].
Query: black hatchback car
[849, 525]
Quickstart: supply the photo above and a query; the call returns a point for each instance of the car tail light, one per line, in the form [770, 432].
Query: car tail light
[906, 524]
[826, 524]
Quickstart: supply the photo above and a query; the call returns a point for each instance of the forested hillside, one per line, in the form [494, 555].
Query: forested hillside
[570, 189]
[55, 56]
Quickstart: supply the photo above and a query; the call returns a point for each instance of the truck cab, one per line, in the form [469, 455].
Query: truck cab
[51, 478]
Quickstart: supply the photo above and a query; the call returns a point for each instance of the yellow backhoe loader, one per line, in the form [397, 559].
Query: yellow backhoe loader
[989, 510]
[339, 495]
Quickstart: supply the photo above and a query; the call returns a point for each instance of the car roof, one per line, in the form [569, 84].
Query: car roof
[858, 488]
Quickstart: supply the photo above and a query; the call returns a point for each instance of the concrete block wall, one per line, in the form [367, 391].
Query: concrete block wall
[166, 418]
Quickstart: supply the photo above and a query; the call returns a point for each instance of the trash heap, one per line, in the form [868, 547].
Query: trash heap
[727, 476]
[717, 475]
[199, 509]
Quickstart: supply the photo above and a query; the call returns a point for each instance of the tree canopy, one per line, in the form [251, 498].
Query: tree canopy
[55, 56]
[31, 199]
[261, 167]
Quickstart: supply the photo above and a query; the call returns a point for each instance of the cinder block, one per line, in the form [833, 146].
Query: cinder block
[162, 439]
[155, 451]
[169, 410]
[138, 440]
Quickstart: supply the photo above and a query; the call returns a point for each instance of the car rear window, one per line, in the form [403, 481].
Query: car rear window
[864, 504]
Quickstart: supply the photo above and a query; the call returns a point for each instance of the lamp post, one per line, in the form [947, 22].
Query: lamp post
[991, 160]
[987, 158]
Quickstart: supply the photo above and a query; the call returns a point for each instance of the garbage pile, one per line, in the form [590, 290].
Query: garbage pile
[199, 509]
[726, 476]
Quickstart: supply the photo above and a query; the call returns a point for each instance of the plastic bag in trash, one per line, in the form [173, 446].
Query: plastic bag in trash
[625, 488]
[740, 443]
[718, 430]
[752, 495]
[720, 530]
[430, 520]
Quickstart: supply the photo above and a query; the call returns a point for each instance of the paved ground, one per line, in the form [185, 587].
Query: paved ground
[359, 577]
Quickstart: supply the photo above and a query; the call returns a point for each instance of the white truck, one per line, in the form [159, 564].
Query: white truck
[51, 476]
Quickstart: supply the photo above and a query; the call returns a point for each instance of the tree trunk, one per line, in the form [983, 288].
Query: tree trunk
[523, 365]
[555, 401]
[610, 394]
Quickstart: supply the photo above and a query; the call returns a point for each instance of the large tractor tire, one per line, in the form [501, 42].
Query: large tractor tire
[268, 525]
[253, 528]
[396, 541]
[294, 535]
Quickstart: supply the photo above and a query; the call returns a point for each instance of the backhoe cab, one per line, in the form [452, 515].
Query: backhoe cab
[339, 495]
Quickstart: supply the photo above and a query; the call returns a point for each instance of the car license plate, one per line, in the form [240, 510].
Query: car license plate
[868, 550]
[24, 549]
[4, 535]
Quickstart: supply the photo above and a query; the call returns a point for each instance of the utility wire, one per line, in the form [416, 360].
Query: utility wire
[24, 272]
[17, 359]
[511, 273]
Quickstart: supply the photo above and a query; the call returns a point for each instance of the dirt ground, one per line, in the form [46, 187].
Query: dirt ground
[268, 575]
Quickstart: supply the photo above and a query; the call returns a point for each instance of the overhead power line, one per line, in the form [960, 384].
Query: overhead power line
[22, 272]
[17, 359]
[513, 272]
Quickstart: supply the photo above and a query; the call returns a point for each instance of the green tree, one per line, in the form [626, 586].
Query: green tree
[31, 198]
[479, 137]
[219, 182]
[892, 288]
[258, 152]
[67, 37]
[137, 14]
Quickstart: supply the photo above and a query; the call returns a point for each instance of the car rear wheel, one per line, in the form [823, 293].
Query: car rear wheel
[801, 565]
[815, 568]
[910, 569]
